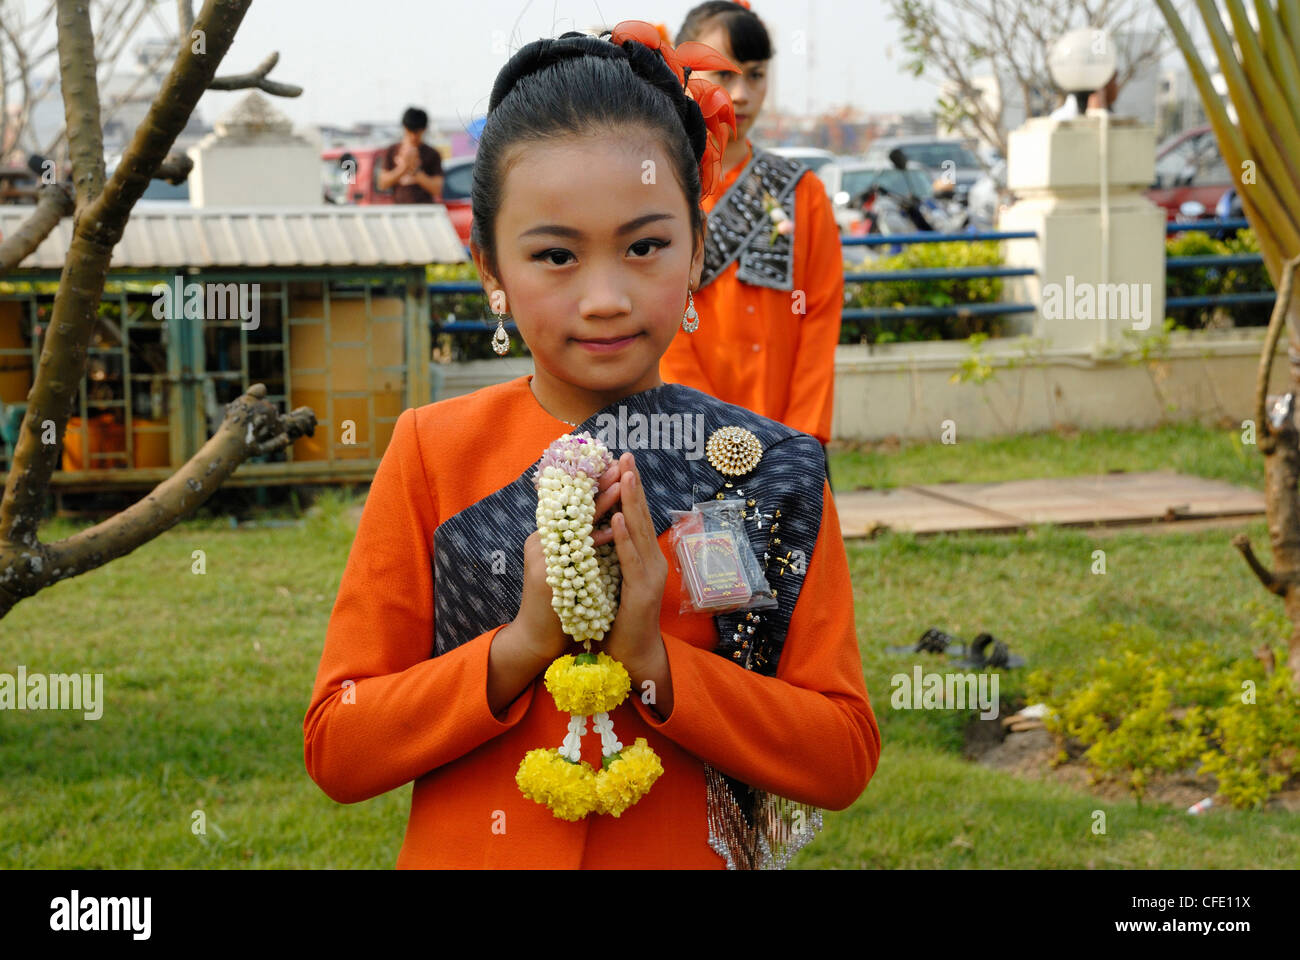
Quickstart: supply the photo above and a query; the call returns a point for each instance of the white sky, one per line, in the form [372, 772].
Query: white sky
[370, 60]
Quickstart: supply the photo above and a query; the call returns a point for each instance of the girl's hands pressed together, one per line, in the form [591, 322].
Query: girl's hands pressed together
[527, 645]
[634, 638]
[539, 624]
[608, 491]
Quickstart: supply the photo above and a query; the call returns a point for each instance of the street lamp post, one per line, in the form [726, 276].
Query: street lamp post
[1080, 62]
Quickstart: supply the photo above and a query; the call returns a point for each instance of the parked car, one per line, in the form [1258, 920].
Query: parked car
[854, 185]
[1189, 169]
[350, 175]
[846, 180]
[942, 156]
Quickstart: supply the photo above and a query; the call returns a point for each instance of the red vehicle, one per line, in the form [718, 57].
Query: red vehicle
[1189, 167]
[351, 175]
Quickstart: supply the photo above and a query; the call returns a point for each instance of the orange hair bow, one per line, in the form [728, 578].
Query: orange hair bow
[714, 102]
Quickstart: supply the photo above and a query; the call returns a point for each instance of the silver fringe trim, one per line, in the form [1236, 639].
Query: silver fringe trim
[781, 827]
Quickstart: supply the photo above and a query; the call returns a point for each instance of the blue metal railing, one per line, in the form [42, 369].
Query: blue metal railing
[956, 310]
[1210, 300]
[1214, 260]
[974, 236]
[960, 311]
[938, 273]
[1208, 225]
[967, 310]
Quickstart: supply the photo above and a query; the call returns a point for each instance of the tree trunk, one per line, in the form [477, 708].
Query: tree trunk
[1279, 441]
[252, 426]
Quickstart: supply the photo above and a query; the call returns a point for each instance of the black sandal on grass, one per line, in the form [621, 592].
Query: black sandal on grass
[933, 640]
[998, 654]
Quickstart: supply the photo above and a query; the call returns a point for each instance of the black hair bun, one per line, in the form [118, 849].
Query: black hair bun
[543, 53]
[647, 64]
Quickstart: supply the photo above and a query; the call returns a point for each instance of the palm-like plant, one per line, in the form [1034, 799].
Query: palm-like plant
[1261, 67]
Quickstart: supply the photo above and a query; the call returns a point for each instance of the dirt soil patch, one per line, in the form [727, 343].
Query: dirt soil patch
[1029, 755]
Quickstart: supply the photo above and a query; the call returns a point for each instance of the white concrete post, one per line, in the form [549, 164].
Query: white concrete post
[1097, 276]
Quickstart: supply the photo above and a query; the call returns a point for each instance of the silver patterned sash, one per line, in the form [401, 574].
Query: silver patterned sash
[740, 225]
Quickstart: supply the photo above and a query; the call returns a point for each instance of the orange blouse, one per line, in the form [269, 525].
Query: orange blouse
[753, 348]
[808, 734]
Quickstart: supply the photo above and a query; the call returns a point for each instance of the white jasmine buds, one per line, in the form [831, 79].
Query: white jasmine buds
[584, 578]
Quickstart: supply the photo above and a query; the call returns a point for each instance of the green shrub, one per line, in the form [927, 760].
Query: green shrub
[937, 293]
[1211, 281]
[1137, 715]
[1256, 738]
[1126, 719]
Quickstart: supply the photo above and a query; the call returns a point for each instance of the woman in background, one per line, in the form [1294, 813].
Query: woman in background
[770, 297]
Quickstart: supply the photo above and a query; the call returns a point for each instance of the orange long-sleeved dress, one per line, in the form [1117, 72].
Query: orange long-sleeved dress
[753, 346]
[808, 733]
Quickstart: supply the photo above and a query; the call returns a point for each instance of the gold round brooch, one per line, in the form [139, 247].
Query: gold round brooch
[733, 450]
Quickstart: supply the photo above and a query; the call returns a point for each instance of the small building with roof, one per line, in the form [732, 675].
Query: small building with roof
[325, 305]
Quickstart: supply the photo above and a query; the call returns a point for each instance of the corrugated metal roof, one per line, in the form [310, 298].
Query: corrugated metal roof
[339, 236]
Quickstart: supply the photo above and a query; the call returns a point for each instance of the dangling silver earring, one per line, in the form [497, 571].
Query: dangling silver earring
[501, 339]
[692, 319]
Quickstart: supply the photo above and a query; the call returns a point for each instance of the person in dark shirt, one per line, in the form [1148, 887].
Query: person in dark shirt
[411, 168]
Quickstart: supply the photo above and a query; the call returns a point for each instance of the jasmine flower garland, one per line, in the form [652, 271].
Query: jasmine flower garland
[584, 582]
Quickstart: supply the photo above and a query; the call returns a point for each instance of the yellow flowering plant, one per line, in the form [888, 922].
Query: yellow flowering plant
[584, 582]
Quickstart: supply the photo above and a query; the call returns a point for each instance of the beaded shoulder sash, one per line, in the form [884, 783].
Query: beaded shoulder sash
[478, 566]
[740, 226]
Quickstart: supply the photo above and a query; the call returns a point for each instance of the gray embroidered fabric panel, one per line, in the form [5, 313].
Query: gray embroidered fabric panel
[739, 226]
[478, 553]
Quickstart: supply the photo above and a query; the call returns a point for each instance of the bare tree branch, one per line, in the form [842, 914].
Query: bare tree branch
[1281, 307]
[53, 204]
[11, 137]
[174, 168]
[81, 99]
[950, 39]
[1272, 583]
[256, 79]
[110, 110]
[98, 227]
[252, 427]
[122, 36]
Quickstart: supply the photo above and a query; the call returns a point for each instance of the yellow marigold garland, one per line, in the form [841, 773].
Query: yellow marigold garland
[626, 777]
[568, 788]
[585, 581]
[588, 683]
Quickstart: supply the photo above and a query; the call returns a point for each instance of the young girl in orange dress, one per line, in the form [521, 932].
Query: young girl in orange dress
[772, 292]
[443, 625]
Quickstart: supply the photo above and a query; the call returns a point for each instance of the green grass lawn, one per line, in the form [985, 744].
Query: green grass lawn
[1184, 448]
[207, 680]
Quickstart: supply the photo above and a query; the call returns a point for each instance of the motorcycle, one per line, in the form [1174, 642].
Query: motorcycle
[887, 212]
